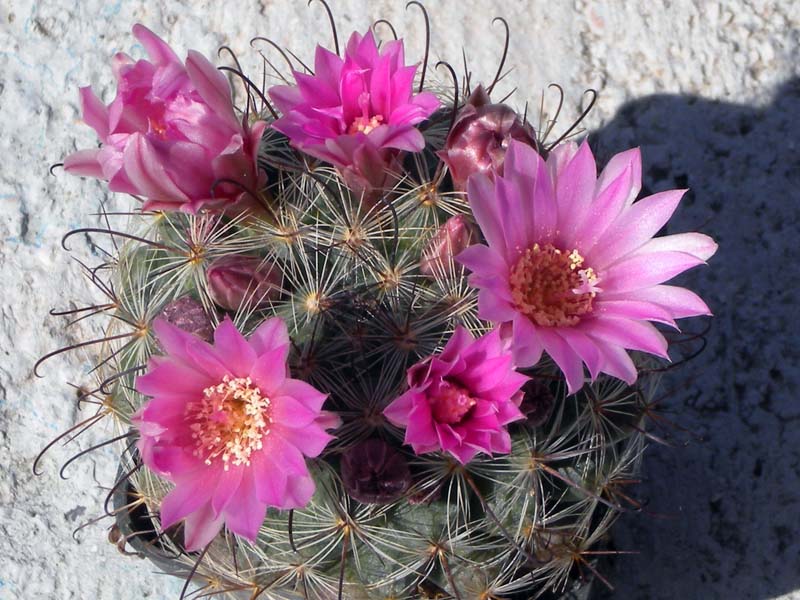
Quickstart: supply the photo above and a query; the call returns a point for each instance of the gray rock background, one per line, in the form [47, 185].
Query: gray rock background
[708, 88]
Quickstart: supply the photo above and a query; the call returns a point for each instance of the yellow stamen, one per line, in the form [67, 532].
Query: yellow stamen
[229, 422]
[365, 124]
[550, 286]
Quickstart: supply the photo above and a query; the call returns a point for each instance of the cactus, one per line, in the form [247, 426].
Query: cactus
[344, 275]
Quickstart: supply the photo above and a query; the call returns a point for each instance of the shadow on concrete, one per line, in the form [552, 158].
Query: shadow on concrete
[725, 509]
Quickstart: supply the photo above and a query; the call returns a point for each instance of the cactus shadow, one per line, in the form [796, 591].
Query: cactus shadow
[723, 512]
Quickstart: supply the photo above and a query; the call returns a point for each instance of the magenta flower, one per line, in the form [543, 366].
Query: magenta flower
[571, 266]
[461, 400]
[356, 113]
[229, 427]
[170, 134]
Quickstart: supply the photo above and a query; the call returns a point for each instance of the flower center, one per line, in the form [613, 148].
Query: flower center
[364, 124]
[451, 403]
[550, 286]
[229, 422]
[157, 126]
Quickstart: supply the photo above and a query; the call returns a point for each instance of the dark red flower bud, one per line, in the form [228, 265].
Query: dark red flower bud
[456, 234]
[235, 281]
[537, 402]
[188, 314]
[375, 473]
[479, 138]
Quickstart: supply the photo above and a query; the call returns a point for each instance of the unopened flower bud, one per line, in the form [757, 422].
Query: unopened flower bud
[456, 234]
[479, 138]
[537, 402]
[188, 314]
[235, 281]
[375, 473]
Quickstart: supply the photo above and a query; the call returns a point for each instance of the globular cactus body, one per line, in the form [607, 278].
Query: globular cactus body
[368, 281]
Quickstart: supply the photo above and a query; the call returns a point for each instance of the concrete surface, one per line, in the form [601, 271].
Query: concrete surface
[708, 88]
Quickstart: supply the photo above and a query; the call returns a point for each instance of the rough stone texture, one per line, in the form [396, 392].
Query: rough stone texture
[708, 88]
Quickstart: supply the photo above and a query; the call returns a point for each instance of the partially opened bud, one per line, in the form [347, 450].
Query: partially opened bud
[375, 473]
[456, 234]
[188, 314]
[235, 281]
[479, 138]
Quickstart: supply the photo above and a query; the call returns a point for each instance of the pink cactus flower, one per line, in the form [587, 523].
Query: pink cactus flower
[171, 134]
[358, 112]
[461, 400]
[229, 427]
[570, 265]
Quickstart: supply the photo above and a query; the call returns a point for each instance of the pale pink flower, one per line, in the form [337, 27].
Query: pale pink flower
[171, 134]
[461, 400]
[570, 264]
[356, 112]
[229, 427]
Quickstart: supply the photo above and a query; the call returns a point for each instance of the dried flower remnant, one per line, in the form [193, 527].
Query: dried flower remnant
[537, 403]
[188, 314]
[456, 234]
[236, 281]
[374, 472]
[479, 139]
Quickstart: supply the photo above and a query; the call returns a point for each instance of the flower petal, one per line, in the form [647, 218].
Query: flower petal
[269, 371]
[187, 497]
[246, 514]
[146, 171]
[634, 227]
[575, 190]
[617, 363]
[584, 347]
[301, 391]
[526, 342]
[645, 270]
[696, 244]
[565, 357]
[288, 412]
[84, 163]
[630, 161]
[633, 335]
[633, 309]
[201, 528]
[480, 191]
[399, 409]
[270, 334]
[213, 87]
[157, 49]
[172, 379]
[238, 355]
[227, 488]
[311, 441]
[94, 112]
[299, 490]
[679, 301]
